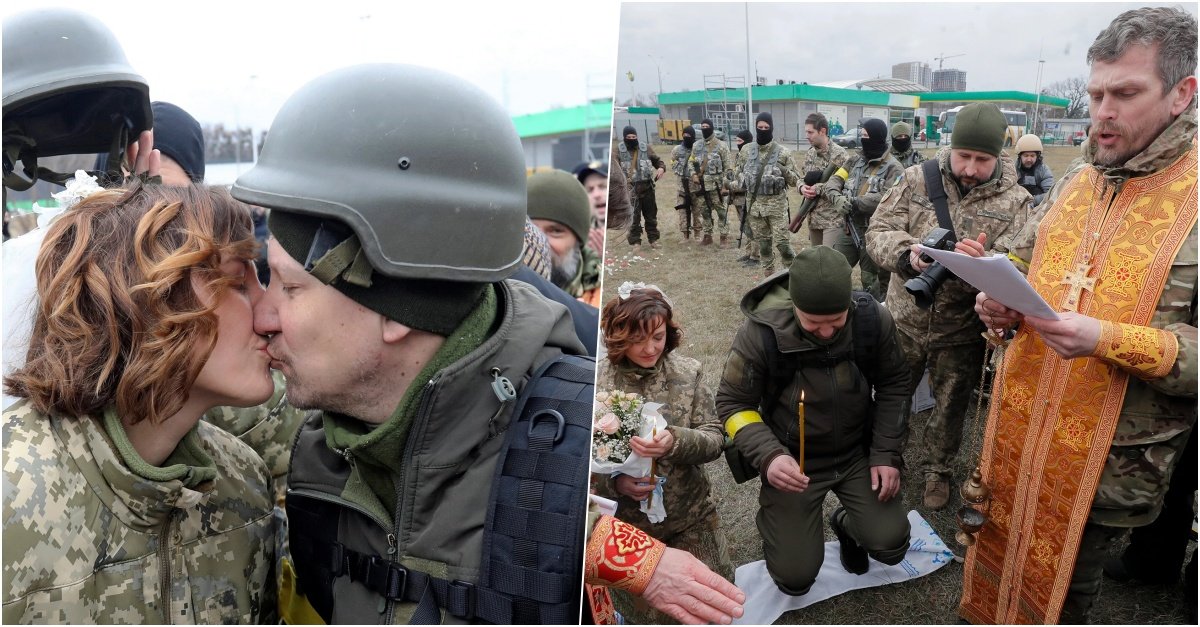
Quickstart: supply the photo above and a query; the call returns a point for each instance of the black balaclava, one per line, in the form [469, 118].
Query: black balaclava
[875, 145]
[764, 137]
[746, 136]
[631, 144]
[901, 145]
[689, 137]
[706, 132]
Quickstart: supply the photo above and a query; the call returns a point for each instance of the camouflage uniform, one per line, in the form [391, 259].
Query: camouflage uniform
[692, 523]
[847, 429]
[867, 183]
[711, 167]
[1157, 415]
[767, 205]
[737, 200]
[909, 157]
[683, 195]
[945, 338]
[90, 539]
[824, 223]
[586, 284]
[639, 166]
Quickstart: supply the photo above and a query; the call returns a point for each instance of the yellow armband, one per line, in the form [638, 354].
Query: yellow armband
[842, 173]
[734, 423]
[1021, 264]
[1145, 352]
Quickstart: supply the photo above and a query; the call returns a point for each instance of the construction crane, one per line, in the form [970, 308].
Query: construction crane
[942, 59]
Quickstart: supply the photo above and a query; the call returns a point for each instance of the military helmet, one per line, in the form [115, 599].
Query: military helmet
[1029, 143]
[424, 167]
[68, 88]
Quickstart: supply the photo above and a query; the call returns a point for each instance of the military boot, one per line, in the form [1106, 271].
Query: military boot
[937, 492]
[724, 241]
[707, 241]
[698, 231]
[854, 557]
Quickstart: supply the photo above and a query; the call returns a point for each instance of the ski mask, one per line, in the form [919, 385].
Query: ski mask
[745, 136]
[875, 145]
[631, 144]
[706, 132]
[764, 137]
[689, 137]
[901, 129]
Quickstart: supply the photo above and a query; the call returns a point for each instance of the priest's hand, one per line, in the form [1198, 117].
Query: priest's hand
[662, 444]
[994, 315]
[886, 480]
[636, 488]
[683, 587]
[972, 247]
[1073, 335]
[784, 474]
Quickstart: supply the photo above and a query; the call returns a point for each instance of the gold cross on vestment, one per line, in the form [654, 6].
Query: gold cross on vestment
[1078, 280]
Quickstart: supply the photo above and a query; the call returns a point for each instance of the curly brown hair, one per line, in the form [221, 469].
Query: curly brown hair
[630, 321]
[118, 319]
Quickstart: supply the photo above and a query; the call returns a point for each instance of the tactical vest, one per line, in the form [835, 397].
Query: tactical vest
[709, 160]
[772, 182]
[680, 157]
[865, 180]
[644, 171]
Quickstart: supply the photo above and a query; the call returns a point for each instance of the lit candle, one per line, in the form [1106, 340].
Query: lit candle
[653, 468]
[801, 419]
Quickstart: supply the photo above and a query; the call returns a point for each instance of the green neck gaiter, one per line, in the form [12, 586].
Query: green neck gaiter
[187, 463]
[378, 452]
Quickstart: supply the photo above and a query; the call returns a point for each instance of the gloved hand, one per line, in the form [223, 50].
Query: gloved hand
[843, 205]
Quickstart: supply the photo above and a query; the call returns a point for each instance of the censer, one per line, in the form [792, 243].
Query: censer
[975, 493]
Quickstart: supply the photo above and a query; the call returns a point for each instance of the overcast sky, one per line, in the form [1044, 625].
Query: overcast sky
[826, 42]
[531, 56]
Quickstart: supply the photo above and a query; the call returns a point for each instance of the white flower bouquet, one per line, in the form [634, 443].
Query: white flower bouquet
[617, 417]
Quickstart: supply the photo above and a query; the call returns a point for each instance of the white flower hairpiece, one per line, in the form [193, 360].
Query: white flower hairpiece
[78, 188]
[626, 288]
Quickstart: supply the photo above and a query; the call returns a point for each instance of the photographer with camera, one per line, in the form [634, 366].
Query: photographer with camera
[968, 190]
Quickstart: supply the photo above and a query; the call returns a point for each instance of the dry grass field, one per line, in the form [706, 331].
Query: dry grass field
[706, 285]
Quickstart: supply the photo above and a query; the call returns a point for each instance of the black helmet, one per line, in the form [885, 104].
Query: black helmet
[68, 89]
[425, 168]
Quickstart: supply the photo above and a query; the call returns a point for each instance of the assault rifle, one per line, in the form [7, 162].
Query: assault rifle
[812, 177]
[686, 205]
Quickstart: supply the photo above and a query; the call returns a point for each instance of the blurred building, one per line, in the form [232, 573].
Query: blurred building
[915, 71]
[949, 80]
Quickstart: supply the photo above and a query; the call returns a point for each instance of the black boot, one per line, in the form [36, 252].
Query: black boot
[854, 557]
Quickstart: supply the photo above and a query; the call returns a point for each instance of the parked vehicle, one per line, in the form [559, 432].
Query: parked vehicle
[849, 139]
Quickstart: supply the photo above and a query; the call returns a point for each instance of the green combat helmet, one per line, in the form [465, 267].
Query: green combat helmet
[425, 168]
[68, 89]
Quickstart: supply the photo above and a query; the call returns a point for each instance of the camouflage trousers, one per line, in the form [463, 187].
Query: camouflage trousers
[689, 219]
[793, 527]
[874, 279]
[737, 207]
[768, 220]
[707, 208]
[953, 372]
[705, 540]
[645, 207]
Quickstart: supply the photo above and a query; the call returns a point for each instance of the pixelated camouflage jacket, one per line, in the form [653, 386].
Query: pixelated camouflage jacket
[1157, 415]
[998, 207]
[823, 216]
[909, 157]
[785, 163]
[86, 540]
[449, 460]
[269, 429]
[711, 158]
[677, 383]
[842, 421]
[868, 182]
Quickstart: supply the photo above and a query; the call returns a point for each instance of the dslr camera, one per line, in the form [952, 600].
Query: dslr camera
[924, 286]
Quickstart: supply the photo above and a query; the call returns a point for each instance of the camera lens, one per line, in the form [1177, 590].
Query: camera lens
[924, 286]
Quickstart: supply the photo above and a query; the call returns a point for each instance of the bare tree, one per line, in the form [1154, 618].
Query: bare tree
[1075, 90]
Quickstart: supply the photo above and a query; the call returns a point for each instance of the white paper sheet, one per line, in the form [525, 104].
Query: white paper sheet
[765, 603]
[996, 276]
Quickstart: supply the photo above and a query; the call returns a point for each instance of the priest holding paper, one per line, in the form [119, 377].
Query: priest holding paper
[1089, 412]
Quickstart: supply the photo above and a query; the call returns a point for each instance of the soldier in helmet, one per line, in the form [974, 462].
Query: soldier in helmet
[642, 168]
[1032, 173]
[389, 312]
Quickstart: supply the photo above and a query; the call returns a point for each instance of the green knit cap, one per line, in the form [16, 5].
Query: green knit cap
[979, 126]
[819, 281]
[557, 195]
[901, 128]
[430, 305]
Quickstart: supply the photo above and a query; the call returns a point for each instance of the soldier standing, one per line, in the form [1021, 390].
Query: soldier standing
[710, 169]
[811, 350]
[767, 171]
[1032, 172]
[982, 195]
[684, 207]
[825, 223]
[642, 168]
[737, 200]
[902, 148]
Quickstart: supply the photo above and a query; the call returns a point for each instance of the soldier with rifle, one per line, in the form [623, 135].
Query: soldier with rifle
[767, 170]
[711, 166]
[737, 199]
[826, 223]
[680, 156]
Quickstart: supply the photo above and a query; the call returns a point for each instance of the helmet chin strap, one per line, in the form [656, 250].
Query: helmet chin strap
[23, 150]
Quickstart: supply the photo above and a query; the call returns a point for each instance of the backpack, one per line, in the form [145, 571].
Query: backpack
[782, 368]
[533, 535]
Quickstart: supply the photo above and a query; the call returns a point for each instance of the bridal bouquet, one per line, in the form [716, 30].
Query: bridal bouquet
[617, 417]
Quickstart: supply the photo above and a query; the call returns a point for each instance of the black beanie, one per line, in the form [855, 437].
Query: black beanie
[765, 117]
[690, 131]
[627, 130]
[877, 134]
[819, 281]
[429, 305]
[746, 136]
[177, 135]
